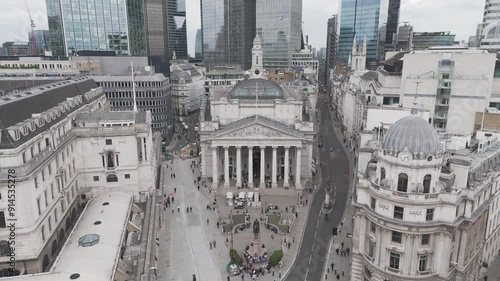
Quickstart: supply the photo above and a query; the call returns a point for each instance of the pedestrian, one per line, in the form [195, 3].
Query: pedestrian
[187, 209]
[208, 221]
[242, 276]
[342, 272]
[198, 187]
[337, 250]
[296, 215]
[217, 224]
[175, 189]
[215, 244]
[172, 210]
[331, 265]
[178, 208]
[286, 209]
[289, 244]
[190, 209]
[342, 245]
[338, 277]
[348, 250]
[306, 201]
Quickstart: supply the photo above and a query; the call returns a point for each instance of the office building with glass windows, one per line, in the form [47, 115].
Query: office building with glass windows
[198, 49]
[124, 27]
[279, 25]
[228, 30]
[364, 18]
[42, 41]
[177, 37]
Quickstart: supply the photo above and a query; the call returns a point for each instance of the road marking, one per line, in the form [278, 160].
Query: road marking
[307, 272]
[317, 225]
[315, 234]
[319, 214]
[312, 250]
[310, 258]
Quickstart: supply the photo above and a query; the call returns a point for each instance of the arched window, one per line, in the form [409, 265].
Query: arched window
[427, 183]
[111, 178]
[54, 248]
[382, 174]
[403, 182]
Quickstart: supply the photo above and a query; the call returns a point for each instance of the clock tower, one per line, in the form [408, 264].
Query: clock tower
[257, 56]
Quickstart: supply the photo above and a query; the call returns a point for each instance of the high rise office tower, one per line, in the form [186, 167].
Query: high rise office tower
[42, 41]
[331, 43]
[364, 18]
[490, 36]
[124, 27]
[279, 25]
[228, 30]
[198, 49]
[177, 37]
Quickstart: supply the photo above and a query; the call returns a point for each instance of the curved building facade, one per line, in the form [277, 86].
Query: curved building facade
[421, 214]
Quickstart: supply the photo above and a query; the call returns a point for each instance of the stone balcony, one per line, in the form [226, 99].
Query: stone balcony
[405, 197]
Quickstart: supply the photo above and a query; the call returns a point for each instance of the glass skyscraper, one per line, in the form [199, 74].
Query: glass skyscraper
[228, 30]
[362, 18]
[177, 38]
[279, 25]
[197, 45]
[42, 41]
[136, 27]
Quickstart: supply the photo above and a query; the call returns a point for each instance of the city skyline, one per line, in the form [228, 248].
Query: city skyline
[461, 18]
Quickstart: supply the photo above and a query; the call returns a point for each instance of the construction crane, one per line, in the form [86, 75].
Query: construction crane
[33, 42]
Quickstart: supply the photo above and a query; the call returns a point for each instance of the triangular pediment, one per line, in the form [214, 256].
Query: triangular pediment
[257, 129]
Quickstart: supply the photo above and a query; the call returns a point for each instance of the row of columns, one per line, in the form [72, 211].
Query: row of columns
[262, 165]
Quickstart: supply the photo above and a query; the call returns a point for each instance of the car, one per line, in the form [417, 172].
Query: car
[196, 128]
[320, 145]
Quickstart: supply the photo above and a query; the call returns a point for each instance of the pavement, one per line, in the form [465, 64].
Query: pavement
[493, 271]
[335, 165]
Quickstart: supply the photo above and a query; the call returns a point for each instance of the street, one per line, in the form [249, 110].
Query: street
[335, 166]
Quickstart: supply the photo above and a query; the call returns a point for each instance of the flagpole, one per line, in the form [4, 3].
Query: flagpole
[133, 84]
[256, 99]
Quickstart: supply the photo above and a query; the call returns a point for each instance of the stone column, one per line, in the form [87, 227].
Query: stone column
[275, 166]
[203, 160]
[287, 167]
[238, 166]
[262, 166]
[226, 166]
[250, 166]
[298, 159]
[215, 172]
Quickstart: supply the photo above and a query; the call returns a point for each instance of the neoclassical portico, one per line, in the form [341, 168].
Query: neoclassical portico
[256, 151]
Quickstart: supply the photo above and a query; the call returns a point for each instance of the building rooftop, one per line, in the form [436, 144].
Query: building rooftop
[18, 107]
[97, 262]
[412, 133]
[224, 70]
[138, 117]
[138, 78]
[266, 89]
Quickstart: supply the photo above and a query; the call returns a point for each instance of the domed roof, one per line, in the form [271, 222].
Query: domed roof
[414, 133]
[246, 89]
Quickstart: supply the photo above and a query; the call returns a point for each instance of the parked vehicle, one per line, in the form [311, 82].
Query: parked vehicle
[196, 129]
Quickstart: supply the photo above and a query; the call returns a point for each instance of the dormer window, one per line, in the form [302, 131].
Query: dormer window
[41, 122]
[33, 125]
[25, 130]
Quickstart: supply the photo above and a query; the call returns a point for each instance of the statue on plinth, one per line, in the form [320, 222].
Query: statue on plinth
[256, 229]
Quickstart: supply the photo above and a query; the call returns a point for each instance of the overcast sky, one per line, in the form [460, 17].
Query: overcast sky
[458, 16]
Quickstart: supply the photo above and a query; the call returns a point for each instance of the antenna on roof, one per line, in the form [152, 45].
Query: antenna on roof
[256, 98]
[133, 84]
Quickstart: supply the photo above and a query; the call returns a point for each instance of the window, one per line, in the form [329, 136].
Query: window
[127, 176]
[446, 76]
[398, 212]
[371, 249]
[50, 168]
[3, 223]
[96, 178]
[45, 197]
[43, 233]
[429, 215]
[109, 142]
[422, 263]
[426, 239]
[43, 175]
[36, 181]
[403, 182]
[50, 224]
[63, 209]
[24, 157]
[382, 174]
[38, 205]
[427, 183]
[373, 203]
[111, 178]
[394, 260]
[55, 215]
[373, 227]
[396, 237]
